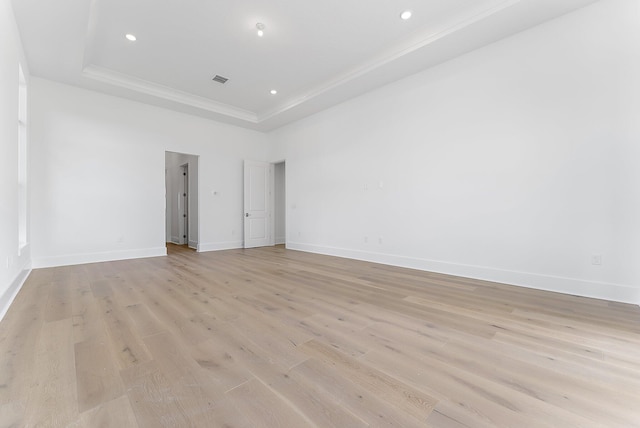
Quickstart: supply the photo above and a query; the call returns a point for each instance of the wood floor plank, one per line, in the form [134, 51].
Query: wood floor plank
[313, 303]
[590, 332]
[264, 408]
[579, 395]
[128, 346]
[59, 304]
[20, 336]
[153, 401]
[327, 330]
[566, 362]
[97, 375]
[286, 312]
[453, 415]
[221, 364]
[493, 402]
[278, 341]
[12, 414]
[416, 338]
[202, 401]
[319, 408]
[159, 301]
[101, 288]
[145, 322]
[52, 400]
[87, 319]
[322, 379]
[409, 399]
[197, 328]
[116, 413]
[270, 337]
[558, 349]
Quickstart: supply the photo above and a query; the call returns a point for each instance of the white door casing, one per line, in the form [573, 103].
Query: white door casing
[257, 204]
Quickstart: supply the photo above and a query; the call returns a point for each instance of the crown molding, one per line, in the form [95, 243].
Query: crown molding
[416, 43]
[111, 77]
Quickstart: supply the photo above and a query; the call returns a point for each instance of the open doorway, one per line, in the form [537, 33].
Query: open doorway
[181, 190]
[280, 204]
[183, 206]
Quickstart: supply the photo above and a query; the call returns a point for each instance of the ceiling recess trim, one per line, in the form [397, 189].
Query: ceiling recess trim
[416, 43]
[149, 88]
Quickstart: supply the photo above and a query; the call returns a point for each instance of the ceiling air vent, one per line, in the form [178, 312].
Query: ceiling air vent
[220, 79]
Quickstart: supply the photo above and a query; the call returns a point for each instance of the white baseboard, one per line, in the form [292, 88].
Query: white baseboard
[78, 259]
[193, 244]
[12, 291]
[281, 240]
[578, 287]
[217, 246]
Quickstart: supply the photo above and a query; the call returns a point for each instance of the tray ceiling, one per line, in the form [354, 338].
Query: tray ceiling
[315, 54]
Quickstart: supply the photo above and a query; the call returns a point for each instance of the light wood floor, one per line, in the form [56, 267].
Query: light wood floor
[276, 338]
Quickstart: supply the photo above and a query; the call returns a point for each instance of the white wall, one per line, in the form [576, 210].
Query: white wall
[516, 163]
[14, 264]
[98, 181]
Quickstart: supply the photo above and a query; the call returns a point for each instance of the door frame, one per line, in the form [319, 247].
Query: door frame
[183, 206]
[273, 201]
[174, 163]
[270, 224]
[261, 211]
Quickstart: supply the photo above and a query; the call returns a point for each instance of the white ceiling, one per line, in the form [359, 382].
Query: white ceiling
[315, 53]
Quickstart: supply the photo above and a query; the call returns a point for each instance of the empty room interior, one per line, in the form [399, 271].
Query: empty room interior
[415, 213]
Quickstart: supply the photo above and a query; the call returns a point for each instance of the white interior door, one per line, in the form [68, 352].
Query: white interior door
[257, 210]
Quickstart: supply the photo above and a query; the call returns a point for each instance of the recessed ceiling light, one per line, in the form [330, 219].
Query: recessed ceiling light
[273, 92]
[131, 37]
[260, 27]
[406, 15]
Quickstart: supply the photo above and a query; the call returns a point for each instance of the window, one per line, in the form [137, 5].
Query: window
[22, 161]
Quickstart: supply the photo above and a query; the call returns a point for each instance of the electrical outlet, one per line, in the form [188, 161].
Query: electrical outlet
[380, 240]
[366, 239]
[596, 259]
